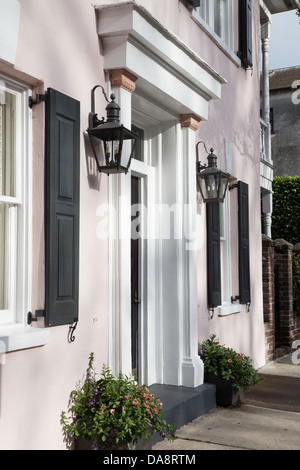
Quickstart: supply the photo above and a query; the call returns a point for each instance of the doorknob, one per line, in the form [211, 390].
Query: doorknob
[136, 300]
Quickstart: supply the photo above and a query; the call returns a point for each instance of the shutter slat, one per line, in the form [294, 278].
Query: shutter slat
[213, 255]
[62, 208]
[244, 247]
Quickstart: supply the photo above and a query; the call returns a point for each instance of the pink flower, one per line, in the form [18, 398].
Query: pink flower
[126, 397]
[112, 410]
[135, 402]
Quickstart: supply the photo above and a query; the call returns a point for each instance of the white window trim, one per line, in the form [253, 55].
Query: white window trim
[228, 48]
[17, 334]
[227, 308]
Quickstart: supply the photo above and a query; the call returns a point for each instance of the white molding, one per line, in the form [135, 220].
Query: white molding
[167, 70]
[19, 337]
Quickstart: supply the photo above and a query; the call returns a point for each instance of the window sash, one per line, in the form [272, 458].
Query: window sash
[218, 15]
[225, 241]
[14, 194]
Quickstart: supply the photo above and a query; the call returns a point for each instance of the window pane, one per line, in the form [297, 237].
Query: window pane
[7, 143]
[4, 250]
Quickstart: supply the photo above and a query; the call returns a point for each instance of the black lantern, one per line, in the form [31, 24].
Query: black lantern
[212, 181]
[107, 138]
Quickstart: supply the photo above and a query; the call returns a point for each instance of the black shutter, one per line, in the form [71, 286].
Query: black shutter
[213, 255]
[244, 253]
[62, 208]
[245, 32]
[193, 3]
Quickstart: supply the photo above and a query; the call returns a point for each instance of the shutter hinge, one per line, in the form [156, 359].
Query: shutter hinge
[38, 314]
[39, 98]
[234, 299]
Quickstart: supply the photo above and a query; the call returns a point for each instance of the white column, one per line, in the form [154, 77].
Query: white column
[192, 368]
[265, 38]
[267, 202]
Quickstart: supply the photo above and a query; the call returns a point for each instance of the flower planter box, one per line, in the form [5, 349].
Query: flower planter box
[226, 395]
[141, 443]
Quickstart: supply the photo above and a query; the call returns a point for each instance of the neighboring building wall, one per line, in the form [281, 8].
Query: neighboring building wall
[285, 107]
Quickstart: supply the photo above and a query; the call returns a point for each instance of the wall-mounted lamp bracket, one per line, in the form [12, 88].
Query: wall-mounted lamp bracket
[38, 314]
[93, 117]
[39, 98]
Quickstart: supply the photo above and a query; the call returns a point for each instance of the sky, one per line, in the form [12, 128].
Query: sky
[284, 40]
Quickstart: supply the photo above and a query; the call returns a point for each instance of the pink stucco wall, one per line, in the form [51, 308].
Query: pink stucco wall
[58, 47]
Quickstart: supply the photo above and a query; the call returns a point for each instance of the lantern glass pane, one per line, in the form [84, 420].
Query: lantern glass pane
[112, 149]
[98, 149]
[223, 186]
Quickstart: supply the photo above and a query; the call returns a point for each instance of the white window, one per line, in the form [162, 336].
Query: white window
[227, 306]
[218, 15]
[14, 202]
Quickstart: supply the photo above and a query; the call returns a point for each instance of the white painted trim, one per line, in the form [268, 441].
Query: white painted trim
[19, 337]
[229, 309]
[20, 217]
[167, 70]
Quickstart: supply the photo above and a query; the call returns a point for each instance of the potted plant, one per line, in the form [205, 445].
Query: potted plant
[231, 372]
[113, 413]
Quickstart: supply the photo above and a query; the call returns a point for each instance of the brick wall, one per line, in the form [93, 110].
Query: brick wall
[277, 254]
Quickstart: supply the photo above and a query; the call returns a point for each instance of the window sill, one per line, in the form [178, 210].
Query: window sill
[229, 309]
[18, 337]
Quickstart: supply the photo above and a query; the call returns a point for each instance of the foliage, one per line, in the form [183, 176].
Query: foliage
[296, 284]
[286, 201]
[113, 408]
[298, 11]
[233, 366]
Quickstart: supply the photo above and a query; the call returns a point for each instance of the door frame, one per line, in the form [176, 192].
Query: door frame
[120, 271]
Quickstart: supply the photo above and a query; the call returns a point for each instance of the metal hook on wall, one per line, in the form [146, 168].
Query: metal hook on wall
[72, 328]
